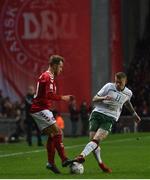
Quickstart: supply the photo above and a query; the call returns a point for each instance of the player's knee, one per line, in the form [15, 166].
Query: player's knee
[101, 134]
[47, 131]
[55, 130]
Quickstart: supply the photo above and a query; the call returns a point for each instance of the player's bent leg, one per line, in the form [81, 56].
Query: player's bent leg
[91, 146]
[47, 124]
[50, 150]
[94, 143]
[61, 150]
[101, 134]
[81, 158]
[57, 138]
[86, 151]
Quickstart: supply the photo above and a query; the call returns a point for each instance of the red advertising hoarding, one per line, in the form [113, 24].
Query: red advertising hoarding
[31, 31]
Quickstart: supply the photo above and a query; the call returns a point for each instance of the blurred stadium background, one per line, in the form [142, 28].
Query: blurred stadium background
[97, 39]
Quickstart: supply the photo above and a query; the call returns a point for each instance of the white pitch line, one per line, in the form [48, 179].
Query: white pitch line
[68, 147]
[20, 153]
[36, 151]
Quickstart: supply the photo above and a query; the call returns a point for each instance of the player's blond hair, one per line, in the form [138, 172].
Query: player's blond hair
[121, 75]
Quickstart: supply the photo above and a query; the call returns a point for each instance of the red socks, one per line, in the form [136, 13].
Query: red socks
[50, 150]
[52, 143]
[60, 146]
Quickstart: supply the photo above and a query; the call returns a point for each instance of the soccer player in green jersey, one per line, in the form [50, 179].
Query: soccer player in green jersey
[108, 103]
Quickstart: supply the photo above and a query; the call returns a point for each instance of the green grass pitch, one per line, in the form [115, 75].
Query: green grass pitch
[127, 154]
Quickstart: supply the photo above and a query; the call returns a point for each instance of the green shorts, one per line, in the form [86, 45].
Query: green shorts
[99, 120]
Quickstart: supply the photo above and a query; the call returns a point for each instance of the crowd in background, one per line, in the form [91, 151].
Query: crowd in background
[25, 125]
[14, 111]
[139, 73]
[79, 113]
[139, 78]
[9, 109]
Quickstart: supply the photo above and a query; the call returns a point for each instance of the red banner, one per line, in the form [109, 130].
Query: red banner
[115, 37]
[30, 31]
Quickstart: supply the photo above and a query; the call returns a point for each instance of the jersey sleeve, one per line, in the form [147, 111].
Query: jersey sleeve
[130, 95]
[104, 90]
[41, 87]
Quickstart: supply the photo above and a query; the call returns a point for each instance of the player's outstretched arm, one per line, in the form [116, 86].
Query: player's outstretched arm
[56, 97]
[97, 98]
[131, 109]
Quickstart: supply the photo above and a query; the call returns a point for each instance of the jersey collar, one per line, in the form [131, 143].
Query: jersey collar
[51, 74]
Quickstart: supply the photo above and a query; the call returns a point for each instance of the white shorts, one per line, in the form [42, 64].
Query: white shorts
[43, 119]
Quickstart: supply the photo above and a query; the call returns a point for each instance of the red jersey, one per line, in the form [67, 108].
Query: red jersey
[45, 93]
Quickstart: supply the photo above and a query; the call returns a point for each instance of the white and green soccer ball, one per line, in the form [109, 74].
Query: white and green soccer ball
[76, 168]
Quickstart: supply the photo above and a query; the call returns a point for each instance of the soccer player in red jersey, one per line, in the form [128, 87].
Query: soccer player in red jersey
[40, 111]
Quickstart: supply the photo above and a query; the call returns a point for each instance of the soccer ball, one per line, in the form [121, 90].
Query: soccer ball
[76, 168]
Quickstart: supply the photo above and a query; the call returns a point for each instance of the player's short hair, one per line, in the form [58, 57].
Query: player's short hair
[121, 75]
[55, 59]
